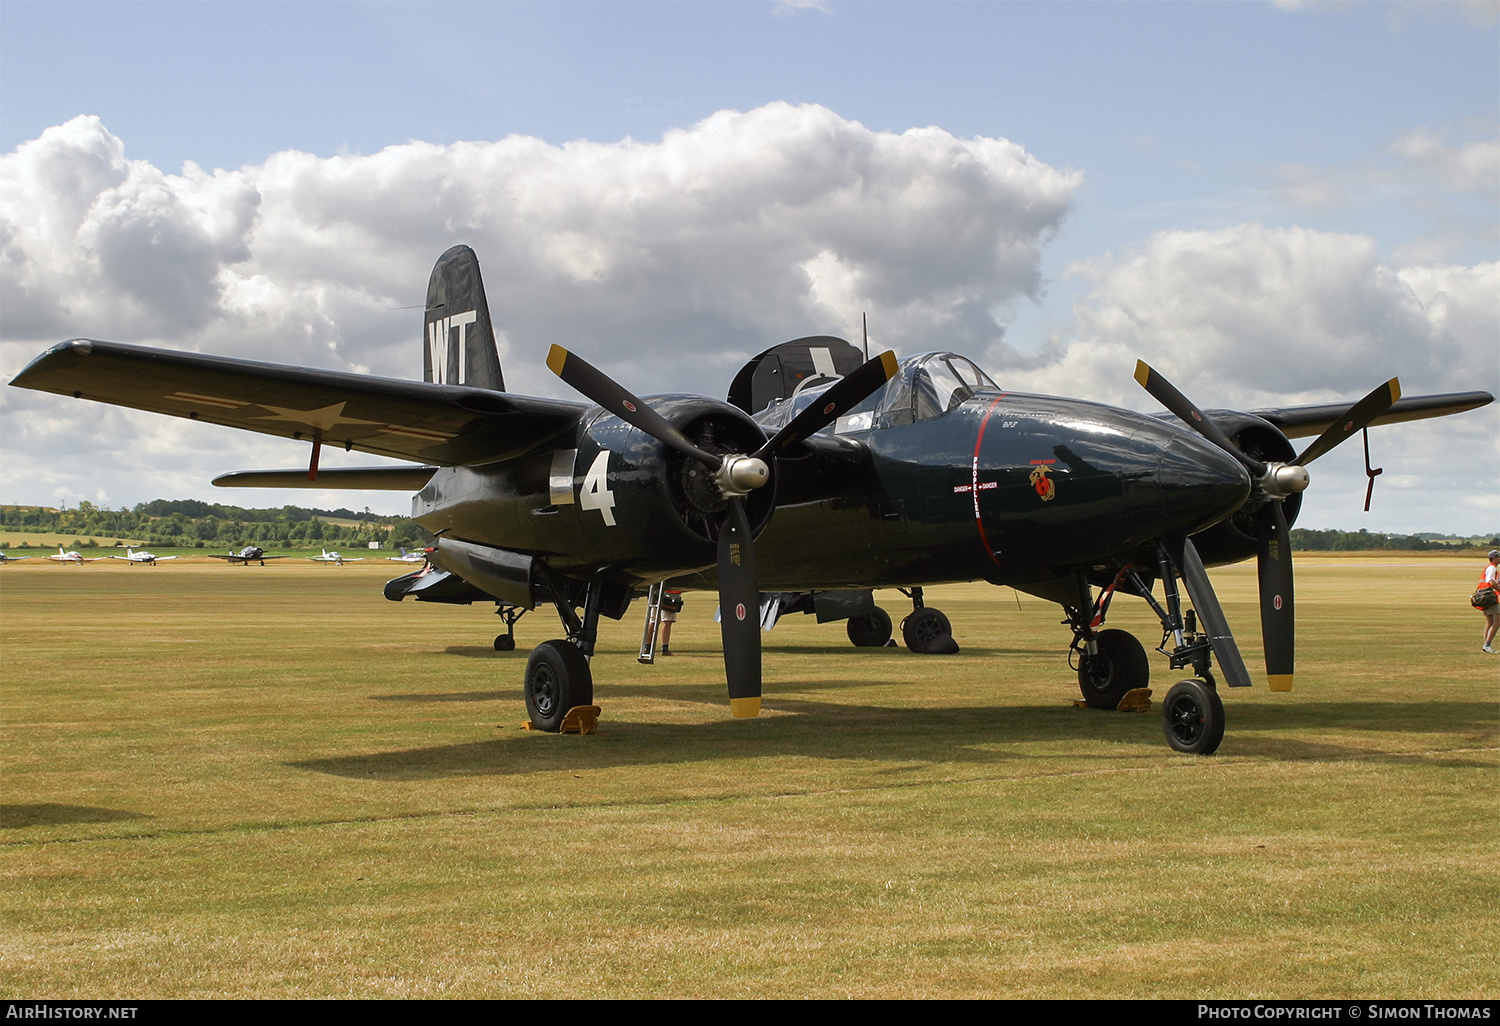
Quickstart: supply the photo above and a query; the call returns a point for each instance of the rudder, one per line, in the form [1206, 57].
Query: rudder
[458, 340]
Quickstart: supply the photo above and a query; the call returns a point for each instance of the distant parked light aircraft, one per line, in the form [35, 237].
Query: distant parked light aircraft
[249, 554]
[74, 557]
[334, 557]
[149, 558]
[408, 557]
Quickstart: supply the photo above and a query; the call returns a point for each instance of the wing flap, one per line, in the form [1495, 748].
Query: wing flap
[446, 425]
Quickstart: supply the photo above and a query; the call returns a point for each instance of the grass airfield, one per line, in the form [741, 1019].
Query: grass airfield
[271, 782]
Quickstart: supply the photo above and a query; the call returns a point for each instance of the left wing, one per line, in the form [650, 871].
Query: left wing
[446, 425]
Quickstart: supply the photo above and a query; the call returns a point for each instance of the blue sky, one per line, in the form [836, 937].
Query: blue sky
[1375, 121]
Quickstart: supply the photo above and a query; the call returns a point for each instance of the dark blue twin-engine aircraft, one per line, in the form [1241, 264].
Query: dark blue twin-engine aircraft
[822, 477]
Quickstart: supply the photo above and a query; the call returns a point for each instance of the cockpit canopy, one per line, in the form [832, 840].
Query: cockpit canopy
[925, 386]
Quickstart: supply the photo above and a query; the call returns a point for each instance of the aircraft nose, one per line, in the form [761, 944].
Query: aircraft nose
[1200, 484]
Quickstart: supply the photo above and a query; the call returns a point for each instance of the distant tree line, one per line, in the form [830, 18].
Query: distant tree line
[1353, 541]
[189, 523]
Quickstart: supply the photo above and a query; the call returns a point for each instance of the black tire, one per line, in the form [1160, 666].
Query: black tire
[927, 631]
[505, 643]
[1192, 717]
[557, 679]
[872, 630]
[1120, 667]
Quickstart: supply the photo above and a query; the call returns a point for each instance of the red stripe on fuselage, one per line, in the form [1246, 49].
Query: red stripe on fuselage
[974, 482]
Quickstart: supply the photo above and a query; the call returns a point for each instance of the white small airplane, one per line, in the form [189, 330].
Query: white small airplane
[149, 558]
[74, 557]
[16, 559]
[334, 557]
[408, 557]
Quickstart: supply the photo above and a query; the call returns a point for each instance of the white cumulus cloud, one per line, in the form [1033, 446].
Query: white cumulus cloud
[669, 262]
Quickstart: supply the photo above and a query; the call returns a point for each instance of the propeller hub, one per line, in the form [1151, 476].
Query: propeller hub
[739, 475]
[1283, 479]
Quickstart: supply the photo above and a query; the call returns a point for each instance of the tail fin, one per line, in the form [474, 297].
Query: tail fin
[459, 343]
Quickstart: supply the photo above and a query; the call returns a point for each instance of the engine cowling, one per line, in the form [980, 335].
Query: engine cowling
[1235, 539]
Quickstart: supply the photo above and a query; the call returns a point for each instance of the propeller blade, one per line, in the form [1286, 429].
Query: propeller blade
[1356, 418]
[1165, 393]
[1278, 618]
[1210, 613]
[842, 397]
[597, 386]
[739, 611]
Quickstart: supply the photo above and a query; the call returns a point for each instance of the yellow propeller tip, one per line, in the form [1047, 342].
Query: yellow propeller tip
[888, 362]
[1280, 681]
[1142, 372]
[556, 357]
[745, 708]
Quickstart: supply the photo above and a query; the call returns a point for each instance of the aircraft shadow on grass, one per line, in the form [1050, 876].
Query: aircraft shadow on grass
[907, 736]
[452, 696]
[53, 814]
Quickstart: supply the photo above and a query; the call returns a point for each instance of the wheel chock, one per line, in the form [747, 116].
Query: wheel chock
[1136, 700]
[581, 719]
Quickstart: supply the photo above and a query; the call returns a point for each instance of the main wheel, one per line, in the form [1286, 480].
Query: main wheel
[1193, 718]
[505, 643]
[872, 630]
[557, 679]
[1120, 666]
[928, 632]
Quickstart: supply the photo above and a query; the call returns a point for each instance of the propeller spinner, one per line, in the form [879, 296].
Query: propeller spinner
[736, 476]
[1274, 482]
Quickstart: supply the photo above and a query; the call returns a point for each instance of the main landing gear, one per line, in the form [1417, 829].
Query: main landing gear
[1112, 663]
[558, 678]
[926, 630]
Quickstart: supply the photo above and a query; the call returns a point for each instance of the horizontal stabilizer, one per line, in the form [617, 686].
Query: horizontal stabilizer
[448, 425]
[392, 479]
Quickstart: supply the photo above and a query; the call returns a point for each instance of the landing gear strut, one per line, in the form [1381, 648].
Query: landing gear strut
[1111, 662]
[1192, 717]
[926, 631]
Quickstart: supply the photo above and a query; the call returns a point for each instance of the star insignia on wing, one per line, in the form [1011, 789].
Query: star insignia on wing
[323, 419]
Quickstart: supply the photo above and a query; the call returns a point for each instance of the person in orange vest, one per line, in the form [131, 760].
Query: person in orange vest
[1491, 580]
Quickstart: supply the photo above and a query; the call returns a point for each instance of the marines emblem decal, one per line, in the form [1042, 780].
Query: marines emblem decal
[1042, 481]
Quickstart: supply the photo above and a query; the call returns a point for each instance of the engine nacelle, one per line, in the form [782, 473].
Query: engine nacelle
[1235, 539]
[649, 510]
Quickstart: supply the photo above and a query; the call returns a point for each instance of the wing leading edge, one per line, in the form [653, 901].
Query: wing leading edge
[444, 425]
